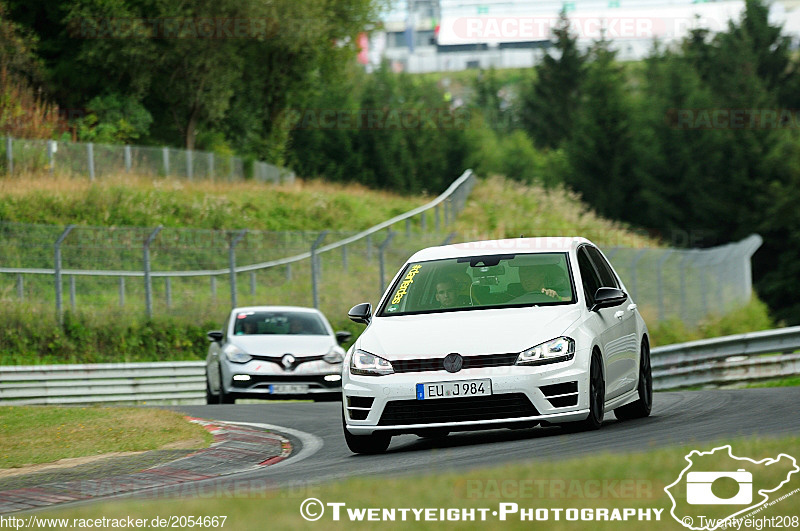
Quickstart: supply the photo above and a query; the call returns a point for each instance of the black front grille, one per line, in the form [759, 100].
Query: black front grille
[299, 360]
[494, 407]
[470, 362]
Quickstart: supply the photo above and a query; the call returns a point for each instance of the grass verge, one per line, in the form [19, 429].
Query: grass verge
[609, 481]
[34, 435]
[138, 201]
[101, 330]
[752, 317]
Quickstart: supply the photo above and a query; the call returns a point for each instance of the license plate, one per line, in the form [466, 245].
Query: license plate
[288, 389]
[457, 389]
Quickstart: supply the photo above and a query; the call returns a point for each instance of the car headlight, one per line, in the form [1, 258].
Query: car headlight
[365, 364]
[334, 355]
[553, 351]
[236, 355]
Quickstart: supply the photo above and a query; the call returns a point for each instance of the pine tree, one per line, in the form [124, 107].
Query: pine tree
[548, 106]
[602, 153]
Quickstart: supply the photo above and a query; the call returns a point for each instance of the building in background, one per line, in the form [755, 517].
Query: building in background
[449, 35]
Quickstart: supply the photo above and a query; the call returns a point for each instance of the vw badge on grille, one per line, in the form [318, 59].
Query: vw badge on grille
[453, 362]
[287, 361]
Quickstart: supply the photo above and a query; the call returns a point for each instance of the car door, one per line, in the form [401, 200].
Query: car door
[607, 327]
[623, 344]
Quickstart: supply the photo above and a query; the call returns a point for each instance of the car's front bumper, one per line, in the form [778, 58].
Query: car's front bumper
[521, 395]
[319, 377]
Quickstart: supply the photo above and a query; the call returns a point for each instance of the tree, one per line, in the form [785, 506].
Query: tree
[602, 152]
[550, 102]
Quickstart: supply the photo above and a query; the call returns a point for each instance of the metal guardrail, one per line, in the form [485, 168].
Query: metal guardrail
[118, 383]
[728, 359]
[719, 361]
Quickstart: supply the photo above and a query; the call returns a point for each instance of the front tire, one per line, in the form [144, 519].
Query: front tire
[597, 397]
[376, 443]
[211, 398]
[642, 407]
[224, 398]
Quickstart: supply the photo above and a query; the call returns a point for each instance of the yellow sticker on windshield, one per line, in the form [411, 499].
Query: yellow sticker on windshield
[407, 281]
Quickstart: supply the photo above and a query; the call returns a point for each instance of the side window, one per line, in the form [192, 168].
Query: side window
[225, 326]
[607, 276]
[588, 276]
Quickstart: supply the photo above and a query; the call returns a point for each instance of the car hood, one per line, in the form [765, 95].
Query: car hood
[278, 345]
[468, 332]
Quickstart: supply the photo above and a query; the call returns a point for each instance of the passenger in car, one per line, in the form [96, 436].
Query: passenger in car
[447, 294]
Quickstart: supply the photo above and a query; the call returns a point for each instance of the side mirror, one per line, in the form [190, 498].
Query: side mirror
[343, 336]
[361, 313]
[608, 298]
[215, 335]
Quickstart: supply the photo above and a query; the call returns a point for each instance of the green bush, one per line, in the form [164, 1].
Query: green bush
[32, 337]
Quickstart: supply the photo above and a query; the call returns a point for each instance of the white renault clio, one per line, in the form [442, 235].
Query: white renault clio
[504, 333]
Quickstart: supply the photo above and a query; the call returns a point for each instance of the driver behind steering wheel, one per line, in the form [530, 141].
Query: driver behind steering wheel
[535, 279]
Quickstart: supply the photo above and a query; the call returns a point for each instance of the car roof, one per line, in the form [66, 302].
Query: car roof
[274, 309]
[506, 246]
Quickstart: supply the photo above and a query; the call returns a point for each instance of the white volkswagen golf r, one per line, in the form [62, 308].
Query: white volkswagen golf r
[504, 333]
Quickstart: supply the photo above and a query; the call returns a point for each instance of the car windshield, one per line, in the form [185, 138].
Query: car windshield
[277, 323]
[480, 282]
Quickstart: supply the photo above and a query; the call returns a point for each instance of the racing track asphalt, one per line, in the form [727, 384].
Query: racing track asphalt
[687, 417]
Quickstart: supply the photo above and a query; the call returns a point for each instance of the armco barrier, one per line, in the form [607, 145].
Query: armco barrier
[717, 361]
[728, 359]
[119, 383]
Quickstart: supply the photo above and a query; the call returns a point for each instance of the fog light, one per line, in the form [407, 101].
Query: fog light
[333, 377]
[241, 377]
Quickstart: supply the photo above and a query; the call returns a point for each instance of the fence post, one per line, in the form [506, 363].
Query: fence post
[51, 158]
[252, 282]
[90, 159]
[314, 290]
[381, 248]
[288, 271]
[751, 245]
[59, 295]
[660, 284]
[369, 247]
[189, 169]
[232, 262]
[72, 292]
[213, 287]
[9, 155]
[408, 227]
[165, 158]
[436, 217]
[121, 292]
[20, 288]
[422, 221]
[128, 162]
[148, 286]
[449, 238]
